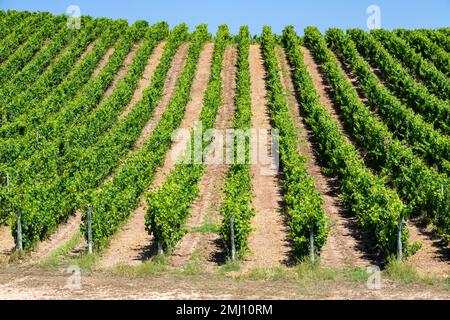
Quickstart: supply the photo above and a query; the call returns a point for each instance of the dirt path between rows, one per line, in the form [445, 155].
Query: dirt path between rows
[132, 244]
[66, 231]
[268, 243]
[7, 243]
[434, 256]
[206, 208]
[344, 247]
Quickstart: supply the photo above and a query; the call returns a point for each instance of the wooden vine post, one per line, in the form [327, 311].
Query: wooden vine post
[89, 217]
[233, 245]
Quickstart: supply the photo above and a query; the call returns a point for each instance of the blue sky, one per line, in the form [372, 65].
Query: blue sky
[256, 13]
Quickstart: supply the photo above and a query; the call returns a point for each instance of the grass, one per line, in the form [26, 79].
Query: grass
[152, 267]
[229, 266]
[61, 256]
[402, 272]
[206, 228]
[55, 258]
[194, 265]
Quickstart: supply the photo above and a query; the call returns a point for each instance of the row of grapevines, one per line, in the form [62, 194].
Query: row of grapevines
[168, 207]
[303, 202]
[19, 106]
[89, 164]
[57, 200]
[50, 26]
[427, 48]
[415, 95]
[238, 186]
[113, 204]
[106, 114]
[38, 160]
[20, 33]
[376, 207]
[436, 82]
[403, 122]
[24, 79]
[423, 189]
[33, 196]
[63, 107]
[70, 177]
[438, 37]
[10, 20]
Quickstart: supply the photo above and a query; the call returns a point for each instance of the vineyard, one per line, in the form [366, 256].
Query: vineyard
[354, 128]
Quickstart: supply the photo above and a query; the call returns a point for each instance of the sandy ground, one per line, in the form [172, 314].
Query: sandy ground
[61, 284]
[133, 244]
[344, 247]
[64, 234]
[6, 243]
[206, 208]
[268, 243]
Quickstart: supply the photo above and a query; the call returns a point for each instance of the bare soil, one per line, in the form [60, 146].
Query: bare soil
[46, 284]
[6, 243]
[206, 208]
[344, 247]
[434, 256]
[268, 243]
[133, 244]
[170, 84]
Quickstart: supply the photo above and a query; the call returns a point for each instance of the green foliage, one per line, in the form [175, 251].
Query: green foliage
[113, 203]
[303, 202]
[402, 121]
[37, 190]
[376, 207]
[38, 67]
[238, 187]
[423, 189]
[168, 207]
[428, 49]
[436, 82]
[412, 93]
